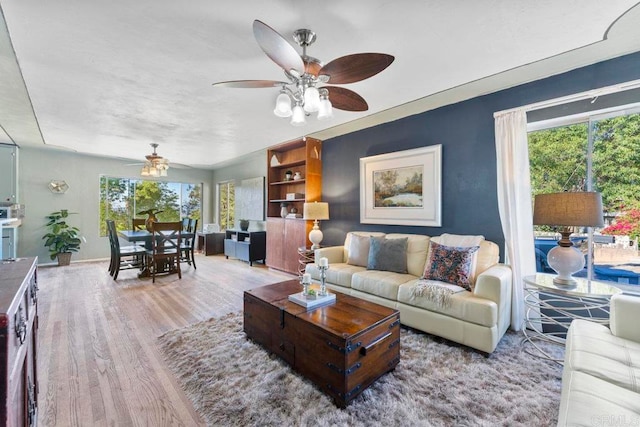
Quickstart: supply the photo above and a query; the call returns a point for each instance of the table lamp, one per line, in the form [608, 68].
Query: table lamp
[315, 211]
[566, 210]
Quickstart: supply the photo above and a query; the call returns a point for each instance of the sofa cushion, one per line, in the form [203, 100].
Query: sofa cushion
[450, 264]
[388, 255]
[338, 274]
[590, 401]
[462, 305]
[380, 283]
[417, 248]
[358, 250]
[592, 348]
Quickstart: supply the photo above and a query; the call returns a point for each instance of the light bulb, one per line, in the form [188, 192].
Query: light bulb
[283, 105]
[325, 111]
[297, 118]
[311, 99]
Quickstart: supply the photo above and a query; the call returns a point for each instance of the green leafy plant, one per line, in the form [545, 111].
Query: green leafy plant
[62, 237]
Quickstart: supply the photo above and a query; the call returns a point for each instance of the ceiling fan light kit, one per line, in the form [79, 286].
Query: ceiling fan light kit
[156, 165]
[303, 94]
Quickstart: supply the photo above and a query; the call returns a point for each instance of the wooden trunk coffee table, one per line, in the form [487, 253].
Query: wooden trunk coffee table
[342, 347]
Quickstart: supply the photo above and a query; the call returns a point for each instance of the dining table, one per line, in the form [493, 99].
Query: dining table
[146, 237]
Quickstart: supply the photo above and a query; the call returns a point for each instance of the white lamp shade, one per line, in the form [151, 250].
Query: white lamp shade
[297, 118]
[311, 99]
[283, 106]
[316, 211]
[581, 209]
[325, 111]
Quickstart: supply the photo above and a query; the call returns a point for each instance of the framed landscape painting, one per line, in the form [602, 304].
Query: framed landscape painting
[402, 188]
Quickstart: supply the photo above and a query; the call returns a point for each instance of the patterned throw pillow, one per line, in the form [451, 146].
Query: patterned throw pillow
[450, 264]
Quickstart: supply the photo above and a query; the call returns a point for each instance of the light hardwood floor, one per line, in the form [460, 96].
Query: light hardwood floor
[98, 361]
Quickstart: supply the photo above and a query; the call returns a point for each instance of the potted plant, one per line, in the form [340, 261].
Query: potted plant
[62, 239]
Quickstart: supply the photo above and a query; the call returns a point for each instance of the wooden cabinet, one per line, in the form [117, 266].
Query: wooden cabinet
[18, 342]
[303, 158]
[211, 243]
[8, 175]
[285, 236]
[248, 246]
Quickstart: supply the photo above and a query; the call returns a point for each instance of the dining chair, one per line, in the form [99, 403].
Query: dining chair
[138, 224]
[164, 254]
[188, 245]
[123, 257]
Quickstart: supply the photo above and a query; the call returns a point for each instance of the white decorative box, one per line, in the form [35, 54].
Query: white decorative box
[293, 196]
[303, 300]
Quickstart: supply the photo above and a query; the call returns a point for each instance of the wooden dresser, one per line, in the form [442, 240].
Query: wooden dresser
[18, 342]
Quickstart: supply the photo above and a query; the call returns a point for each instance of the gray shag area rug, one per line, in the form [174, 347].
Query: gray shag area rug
[232, 381]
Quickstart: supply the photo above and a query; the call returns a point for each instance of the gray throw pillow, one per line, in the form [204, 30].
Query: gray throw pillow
[388, 254]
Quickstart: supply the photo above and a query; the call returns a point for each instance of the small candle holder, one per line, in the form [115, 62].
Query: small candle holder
[323, 276]
[305, 280]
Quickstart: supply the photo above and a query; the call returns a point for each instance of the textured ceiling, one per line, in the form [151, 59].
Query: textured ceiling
[110, 77]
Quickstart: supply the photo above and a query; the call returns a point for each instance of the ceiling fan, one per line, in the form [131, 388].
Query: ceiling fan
[156, 165]
[304, 91]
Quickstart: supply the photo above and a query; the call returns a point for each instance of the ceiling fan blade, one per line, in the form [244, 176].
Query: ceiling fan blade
[345, 99]
[356, 67]
[277, 48]
[250, 83]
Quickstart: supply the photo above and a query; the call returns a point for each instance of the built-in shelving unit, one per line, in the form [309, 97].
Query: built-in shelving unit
[286, 235]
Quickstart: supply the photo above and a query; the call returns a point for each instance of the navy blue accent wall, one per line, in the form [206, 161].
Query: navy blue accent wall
[466, 132]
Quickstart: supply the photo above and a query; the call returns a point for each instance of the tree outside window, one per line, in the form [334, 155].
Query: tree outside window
[121, 199]
[226, 205]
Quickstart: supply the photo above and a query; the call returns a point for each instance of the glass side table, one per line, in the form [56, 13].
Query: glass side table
[305, 256]
[550, 308]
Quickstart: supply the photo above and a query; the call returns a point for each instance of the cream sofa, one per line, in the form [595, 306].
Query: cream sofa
[601, 374]
[477, 318]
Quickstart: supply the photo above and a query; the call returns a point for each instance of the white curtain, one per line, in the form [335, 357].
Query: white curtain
[514, 203]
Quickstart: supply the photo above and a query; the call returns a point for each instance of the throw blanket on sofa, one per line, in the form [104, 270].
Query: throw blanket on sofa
[437, 292]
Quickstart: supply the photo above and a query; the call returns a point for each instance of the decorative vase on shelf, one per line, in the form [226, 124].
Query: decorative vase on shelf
[244, 224]
[283, 210]
[287, 176]
[297, 176]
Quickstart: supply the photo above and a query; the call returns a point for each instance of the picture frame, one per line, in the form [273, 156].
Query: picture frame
[250, 199]
[402, 188]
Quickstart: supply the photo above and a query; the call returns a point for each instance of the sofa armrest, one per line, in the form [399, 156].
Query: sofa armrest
[494, 283]
[624, 317]
[335, 254]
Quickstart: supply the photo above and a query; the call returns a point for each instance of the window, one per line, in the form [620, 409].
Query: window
[226, 204]
[594, 152]
[122, 199]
